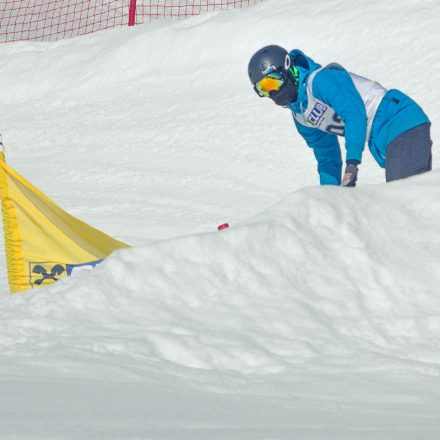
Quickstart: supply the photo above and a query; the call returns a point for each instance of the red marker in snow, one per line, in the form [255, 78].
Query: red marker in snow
[223, 226]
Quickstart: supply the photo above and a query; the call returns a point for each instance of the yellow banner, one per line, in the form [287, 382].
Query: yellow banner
[43, 242]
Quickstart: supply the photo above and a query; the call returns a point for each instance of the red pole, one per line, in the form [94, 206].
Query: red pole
[132, 13]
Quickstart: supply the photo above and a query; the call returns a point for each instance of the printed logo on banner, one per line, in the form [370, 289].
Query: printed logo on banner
[44, 273]
[316, 114]
[75, 269]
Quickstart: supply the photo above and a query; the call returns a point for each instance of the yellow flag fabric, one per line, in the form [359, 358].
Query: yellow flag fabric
[43, 242]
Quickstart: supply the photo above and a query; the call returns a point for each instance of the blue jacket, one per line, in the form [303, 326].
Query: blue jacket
[396, 114]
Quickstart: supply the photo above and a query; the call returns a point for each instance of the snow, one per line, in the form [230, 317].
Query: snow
[315, 315]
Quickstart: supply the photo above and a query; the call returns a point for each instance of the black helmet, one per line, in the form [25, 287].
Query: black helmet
[270, 59]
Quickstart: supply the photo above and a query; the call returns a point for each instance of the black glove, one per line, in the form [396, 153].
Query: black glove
[350, 175]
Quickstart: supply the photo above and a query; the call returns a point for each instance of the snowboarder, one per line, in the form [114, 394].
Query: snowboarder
[329, 101]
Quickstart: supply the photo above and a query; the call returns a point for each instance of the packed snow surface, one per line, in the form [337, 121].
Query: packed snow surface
[315, 315]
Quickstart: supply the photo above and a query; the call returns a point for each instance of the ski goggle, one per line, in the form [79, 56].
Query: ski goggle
[270, 83]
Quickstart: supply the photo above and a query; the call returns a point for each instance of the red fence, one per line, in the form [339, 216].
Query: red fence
[49, 20]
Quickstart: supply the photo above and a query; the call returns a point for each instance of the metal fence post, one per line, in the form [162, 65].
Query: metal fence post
[132, 13]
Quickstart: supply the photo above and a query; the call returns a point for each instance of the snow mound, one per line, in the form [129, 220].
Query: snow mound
[327, 279]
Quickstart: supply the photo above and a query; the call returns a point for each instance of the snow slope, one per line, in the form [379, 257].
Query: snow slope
[314, 316]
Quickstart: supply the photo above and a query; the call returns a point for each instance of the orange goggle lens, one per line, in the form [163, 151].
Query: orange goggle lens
[270, 83]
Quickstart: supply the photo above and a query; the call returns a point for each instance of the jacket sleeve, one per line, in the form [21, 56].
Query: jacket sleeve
[327, 152]
[335, 87]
